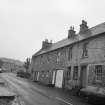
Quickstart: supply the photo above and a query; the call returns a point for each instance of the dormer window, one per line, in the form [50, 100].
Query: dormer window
[85, 50]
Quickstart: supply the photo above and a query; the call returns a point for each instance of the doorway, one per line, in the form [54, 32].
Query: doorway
[83, 76]
[53, 78]
[59, 78]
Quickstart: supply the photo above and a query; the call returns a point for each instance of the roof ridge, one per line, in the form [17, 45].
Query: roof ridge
[97, 25]
[95, 30]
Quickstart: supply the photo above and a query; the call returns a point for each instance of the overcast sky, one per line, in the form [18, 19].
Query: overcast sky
[24, 24]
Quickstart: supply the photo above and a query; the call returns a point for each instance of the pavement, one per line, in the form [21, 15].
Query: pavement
[63, 97]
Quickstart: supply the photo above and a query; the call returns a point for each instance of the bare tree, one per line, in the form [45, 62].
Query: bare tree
[27, 64]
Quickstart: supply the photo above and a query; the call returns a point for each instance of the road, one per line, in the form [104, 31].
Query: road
[31, 94]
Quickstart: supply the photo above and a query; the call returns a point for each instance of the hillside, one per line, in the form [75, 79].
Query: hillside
[16, 62]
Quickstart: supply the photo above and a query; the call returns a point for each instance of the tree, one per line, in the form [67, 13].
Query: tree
[27, 64]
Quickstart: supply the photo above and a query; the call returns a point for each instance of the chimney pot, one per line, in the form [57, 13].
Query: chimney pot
[83, 27]
[46, 44]
[71, 32]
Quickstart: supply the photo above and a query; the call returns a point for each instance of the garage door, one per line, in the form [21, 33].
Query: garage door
[59, 78]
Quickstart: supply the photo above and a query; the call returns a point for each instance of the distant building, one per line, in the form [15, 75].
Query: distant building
[76, 61]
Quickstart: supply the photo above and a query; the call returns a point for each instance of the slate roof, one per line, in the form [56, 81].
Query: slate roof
[98, 29]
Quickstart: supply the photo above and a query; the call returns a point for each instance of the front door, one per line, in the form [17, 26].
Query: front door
[59, 78]
[83, 76]
[37, 76]
[34, 76]
[53, 78]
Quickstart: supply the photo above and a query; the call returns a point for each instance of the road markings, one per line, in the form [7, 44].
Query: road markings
[60, 99]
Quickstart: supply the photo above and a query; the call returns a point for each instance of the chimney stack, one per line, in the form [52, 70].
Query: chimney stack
[71, 33]
[46, 44]
[83, 27]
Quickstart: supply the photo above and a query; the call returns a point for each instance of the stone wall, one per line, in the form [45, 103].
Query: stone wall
[58, 59]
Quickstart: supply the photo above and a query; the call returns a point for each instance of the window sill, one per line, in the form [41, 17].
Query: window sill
[98, 81]
[83, 57]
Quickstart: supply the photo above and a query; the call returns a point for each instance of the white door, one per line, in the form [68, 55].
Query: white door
[59, 78]
[37, 76]
[53, 79]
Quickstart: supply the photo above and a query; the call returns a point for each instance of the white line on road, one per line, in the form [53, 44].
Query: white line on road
[60, 99]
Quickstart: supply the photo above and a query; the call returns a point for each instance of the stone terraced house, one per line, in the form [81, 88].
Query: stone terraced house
[76, 61]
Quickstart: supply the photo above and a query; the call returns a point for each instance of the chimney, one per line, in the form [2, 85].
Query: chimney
[83, 27]
[46, 44]
[71, 33]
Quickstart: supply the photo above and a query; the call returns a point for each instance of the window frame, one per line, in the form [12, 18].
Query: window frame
[75, 72]
[98, 73]
[58, 56]
[85, 50]
[69, 73]
[70, 53]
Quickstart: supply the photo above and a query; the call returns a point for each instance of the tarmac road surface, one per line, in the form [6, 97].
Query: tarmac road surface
[31, 94]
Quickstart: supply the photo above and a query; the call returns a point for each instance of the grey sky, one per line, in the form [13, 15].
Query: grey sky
[25, 23]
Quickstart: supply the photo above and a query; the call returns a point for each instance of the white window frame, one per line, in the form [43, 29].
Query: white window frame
[98, 73]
